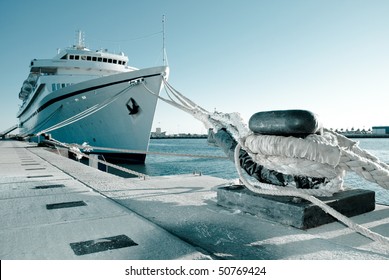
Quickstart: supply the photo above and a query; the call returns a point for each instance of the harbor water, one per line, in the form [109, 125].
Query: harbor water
[160, 165]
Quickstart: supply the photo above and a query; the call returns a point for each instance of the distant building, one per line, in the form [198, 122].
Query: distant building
[381, 130]
[158, 133]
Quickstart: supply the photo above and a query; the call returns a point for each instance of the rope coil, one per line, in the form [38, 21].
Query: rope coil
[307, 157]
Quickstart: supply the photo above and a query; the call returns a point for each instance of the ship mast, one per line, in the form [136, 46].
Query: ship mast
[164, 58]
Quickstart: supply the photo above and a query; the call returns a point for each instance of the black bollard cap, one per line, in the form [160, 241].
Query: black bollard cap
[298, 123]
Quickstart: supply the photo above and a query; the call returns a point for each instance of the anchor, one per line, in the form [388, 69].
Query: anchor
[133, 108]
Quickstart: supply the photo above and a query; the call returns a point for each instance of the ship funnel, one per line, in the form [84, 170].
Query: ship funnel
[80, 40]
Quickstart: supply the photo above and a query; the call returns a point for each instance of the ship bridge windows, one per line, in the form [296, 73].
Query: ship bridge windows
[96, 58]
[58, 86]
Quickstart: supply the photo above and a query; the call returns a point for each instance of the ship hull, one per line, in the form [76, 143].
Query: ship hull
[113, 112]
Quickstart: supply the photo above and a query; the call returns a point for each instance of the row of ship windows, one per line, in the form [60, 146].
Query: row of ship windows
[94, 58]
[59, 86]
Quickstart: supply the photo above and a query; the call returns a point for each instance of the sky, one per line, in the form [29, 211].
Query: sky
[327, 56]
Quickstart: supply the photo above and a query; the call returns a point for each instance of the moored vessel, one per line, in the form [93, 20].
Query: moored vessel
[89, 96]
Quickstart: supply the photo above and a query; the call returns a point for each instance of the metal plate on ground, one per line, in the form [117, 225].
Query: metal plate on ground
[39, 176]
[65, 205]
[102, 244]
[30, 169]
[43, 187]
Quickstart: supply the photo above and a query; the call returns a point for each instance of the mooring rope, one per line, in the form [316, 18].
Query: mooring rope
[43, 122]
[87, 112]
[268, 189]
[129, 151]
[350, 158]
[74, 148]
[315, 156]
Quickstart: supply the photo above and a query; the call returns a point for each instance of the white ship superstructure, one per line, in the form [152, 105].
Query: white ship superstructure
[91, 96]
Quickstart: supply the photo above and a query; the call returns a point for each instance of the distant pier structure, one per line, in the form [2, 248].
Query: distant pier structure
[159, 134]
[374, 132]
[380, 130]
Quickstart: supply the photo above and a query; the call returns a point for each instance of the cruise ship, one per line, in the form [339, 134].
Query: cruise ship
[84, 96]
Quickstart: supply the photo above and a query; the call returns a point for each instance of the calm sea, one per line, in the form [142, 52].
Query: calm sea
[169, 165]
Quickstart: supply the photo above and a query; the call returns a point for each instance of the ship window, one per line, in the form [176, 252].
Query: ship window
[83, 57]
[76, 57]
[94, 58]
[53, 87]
[63, 85]
[88, 58]
[115, 61]
[109, 60]
[104, 60]
[71, 56]
[99, 59]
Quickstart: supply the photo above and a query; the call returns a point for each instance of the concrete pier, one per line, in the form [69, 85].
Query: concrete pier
[52, 207]
[46, 213]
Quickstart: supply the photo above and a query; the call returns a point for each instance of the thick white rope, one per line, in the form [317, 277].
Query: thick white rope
[370, 170]
[277, 191]
[307, 157]
[345, 154]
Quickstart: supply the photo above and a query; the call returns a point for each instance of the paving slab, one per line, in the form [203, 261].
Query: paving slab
[52, 241]
[40, 188]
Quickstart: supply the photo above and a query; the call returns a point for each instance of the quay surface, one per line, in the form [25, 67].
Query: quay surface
[52, 207]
